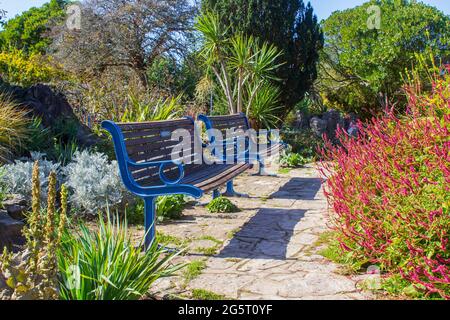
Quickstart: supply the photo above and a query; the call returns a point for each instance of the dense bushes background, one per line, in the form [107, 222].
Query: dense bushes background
[361, 67]
[390, 190]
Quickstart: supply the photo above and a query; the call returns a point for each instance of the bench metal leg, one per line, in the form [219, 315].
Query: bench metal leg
[262, 172]
[216, 194]
[150, 221]
[232, 193]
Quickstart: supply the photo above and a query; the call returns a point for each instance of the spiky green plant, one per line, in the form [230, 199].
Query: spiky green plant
[105, 265]
[240, 64]
[139, 111]
[13, 126]
[265, 106]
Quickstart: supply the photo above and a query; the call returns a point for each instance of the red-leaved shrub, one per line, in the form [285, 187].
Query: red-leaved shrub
[390, 190]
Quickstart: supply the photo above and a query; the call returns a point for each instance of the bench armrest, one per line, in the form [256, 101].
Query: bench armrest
[161, 165]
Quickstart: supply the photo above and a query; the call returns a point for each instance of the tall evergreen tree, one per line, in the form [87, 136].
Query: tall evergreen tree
[288, 24]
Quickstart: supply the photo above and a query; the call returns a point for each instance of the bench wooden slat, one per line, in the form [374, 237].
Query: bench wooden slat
[142, 126]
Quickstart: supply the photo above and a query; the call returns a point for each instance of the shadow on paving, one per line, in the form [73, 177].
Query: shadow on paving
[298, 189]
[267, 234]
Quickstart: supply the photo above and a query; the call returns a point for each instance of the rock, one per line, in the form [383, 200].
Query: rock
[16, 212]
[53, 108]
[16, 207]
[333, 119]
[328, 123]
[301, 120]
[10, 231]
[318, 126]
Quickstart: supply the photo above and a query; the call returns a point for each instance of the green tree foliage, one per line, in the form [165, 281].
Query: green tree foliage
[291, 26]
[29, 30]
[362, 67]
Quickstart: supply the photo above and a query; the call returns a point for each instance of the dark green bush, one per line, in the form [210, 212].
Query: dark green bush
[167, 208]
[303, 142]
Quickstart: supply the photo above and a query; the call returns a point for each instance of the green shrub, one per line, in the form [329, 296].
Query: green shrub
[135, 212]
[40, 138]
[106, 265]
[59, 143]
[65, 152]
[139, 111]
[303, 142]
[169, 207]
[292, 160]
[221, 205]
[265, 106]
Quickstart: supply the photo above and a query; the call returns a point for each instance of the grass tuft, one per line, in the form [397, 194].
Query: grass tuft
[202, 294]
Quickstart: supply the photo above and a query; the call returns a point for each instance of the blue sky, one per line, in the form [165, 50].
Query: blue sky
[323, 7]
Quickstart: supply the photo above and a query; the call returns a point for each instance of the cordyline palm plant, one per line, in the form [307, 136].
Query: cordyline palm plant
[240, 64]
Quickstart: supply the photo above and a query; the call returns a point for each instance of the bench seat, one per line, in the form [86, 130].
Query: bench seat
[149, 167]
[214, 176]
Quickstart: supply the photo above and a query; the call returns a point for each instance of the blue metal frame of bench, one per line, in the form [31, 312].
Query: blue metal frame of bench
[209, 125]
[149, 193]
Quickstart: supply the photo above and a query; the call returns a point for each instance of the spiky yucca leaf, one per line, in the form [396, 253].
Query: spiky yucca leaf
[139, 111]
[265, 105]
[105, 264]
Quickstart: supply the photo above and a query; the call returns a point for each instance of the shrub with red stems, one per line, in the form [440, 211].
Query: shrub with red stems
[389, 189]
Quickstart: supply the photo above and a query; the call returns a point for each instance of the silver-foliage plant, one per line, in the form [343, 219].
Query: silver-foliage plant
[93, 181]
[16, 177]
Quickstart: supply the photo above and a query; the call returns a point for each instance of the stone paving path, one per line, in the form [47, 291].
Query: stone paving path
[267, 250]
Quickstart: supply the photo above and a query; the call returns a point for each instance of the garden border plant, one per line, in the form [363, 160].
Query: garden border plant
[390, 192]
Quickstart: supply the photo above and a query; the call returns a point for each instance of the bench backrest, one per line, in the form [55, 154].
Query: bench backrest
[152, 142]
[223, 123]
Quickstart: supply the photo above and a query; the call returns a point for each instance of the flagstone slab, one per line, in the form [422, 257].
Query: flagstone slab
[269, 249]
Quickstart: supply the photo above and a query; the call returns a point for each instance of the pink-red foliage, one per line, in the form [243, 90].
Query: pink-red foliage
[390, 190]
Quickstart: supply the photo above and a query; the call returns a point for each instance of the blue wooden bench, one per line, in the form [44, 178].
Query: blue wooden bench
[236, 122]
[144, 154]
